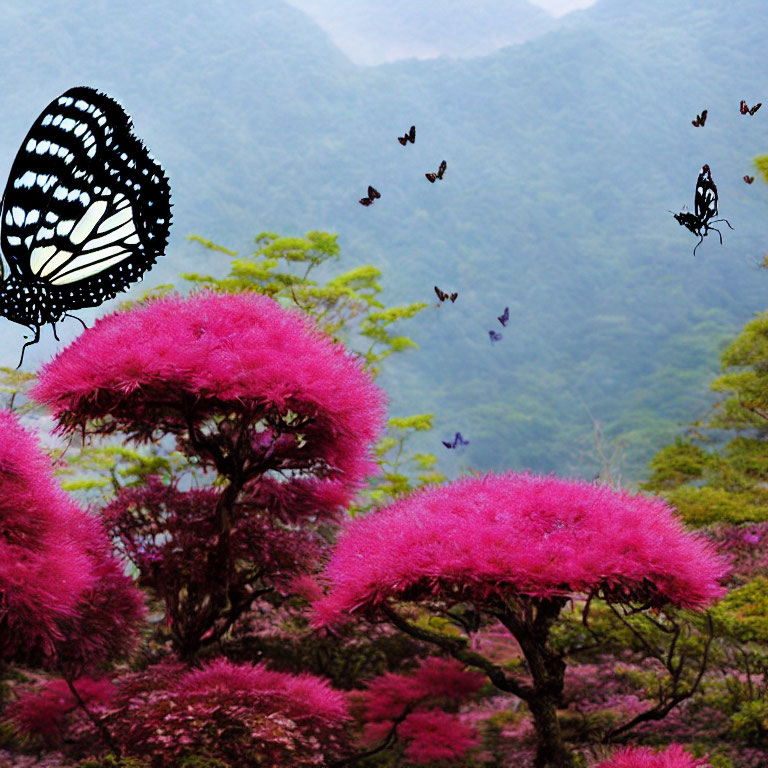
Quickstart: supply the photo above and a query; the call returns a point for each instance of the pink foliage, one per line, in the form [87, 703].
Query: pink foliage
[43, 712]
[241, 714]
[430, 733]
[155, 366]
[436, 679]
[436, 735]
[540, 536]
[63, 597]
[643, 757]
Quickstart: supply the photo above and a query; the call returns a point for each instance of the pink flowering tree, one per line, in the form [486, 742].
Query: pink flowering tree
[515, 549]
[278, 417]
[65, 602]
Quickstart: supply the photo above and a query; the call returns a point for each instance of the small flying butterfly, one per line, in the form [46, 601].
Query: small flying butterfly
[372, 195]
[439, 174]
[503, 318]
[744, 109]
[410, 136]
[458, 440]
[443, 296]
[749, 179]
[700, 119]
[494, 336]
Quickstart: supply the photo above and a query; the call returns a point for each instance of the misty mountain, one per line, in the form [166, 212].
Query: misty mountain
[565, 154]
[377, 31]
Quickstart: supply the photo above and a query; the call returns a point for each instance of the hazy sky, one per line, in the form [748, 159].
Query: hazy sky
[559, 7]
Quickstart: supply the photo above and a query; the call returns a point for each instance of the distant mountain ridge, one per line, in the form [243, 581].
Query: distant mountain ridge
[377, 31]
[564, 154]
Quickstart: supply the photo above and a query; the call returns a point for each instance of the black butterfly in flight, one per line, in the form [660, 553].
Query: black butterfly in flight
[372, 195]
[457, 441]
[439, 174]
[749, 179]
[705, 209]
[700, 119]
[85, 213]
[503, 318]
[410, 136]
[443, 296]
[744, 109]
[494, 336]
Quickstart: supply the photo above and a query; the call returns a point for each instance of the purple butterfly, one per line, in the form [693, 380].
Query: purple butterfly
[504, 317]
[457, 441]
[494, 336]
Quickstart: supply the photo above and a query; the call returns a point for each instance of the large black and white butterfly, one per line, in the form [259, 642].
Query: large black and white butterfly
[85, 213]
[705, 209]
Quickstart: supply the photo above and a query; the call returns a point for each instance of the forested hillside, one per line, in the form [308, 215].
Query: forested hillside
[565, 155]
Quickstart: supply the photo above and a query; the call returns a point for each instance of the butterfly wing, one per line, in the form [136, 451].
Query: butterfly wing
[460, 440]
[756, 107]
[412, 134]
[365, 201]
[503, 318]
[86, 208]
[705, 200]
[447, 445]
[454, 296]
[431, 177]
[743, 108]
[440, 294]
[373, 194]
[403, 140]
[441, 169]
[749, 179]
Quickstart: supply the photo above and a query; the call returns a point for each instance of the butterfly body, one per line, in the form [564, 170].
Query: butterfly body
[372, 195]
[410, 136]
[494, 336]
[458, 440]
[746, 110]
[705, 208]
[432, 177]
[85, 213]
[700, 119]
[442, 295]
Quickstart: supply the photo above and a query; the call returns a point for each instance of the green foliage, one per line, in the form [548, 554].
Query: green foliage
[743, 612]
[401, 472]
[761, 163]
[750, 723]
[346, 306]
[14, 386]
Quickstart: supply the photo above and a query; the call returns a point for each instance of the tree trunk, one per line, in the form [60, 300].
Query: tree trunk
[551, 752]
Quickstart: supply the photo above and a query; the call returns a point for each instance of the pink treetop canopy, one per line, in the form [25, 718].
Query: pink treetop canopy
[482, 537]
[178, 360]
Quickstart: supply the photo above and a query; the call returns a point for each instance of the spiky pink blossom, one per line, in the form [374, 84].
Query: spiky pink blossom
[63, 597]
[240, 714]
[643, 757]
[173, 365]
[543, 537]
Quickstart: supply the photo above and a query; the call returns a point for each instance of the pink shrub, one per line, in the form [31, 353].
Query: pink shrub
[63, 597]
[410, 701]
[436, 735]
[45, 712]
[241, 714]
[478, 538]
[643, 757]
[308, 402]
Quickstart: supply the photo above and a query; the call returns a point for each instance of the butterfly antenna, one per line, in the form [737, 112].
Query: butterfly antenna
[28, 344]
[75, 317]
